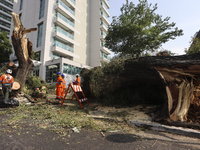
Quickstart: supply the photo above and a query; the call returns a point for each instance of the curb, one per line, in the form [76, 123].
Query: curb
[104, 118]
[157, 127]
[169, 129]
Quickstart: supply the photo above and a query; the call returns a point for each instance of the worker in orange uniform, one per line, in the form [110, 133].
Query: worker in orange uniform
[7, 82]
[63, 85]
[78, 80]
[59, 86]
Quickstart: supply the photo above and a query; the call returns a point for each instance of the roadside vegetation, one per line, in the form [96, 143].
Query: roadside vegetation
[61, 120]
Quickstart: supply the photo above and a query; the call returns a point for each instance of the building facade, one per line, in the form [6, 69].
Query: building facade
[70, 34]
[6, 7]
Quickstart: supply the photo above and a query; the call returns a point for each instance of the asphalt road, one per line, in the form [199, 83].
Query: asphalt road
[29, 137]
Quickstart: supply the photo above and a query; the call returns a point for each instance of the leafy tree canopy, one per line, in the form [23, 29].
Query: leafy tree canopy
[195, 46]
[5, 48]
[139, 29]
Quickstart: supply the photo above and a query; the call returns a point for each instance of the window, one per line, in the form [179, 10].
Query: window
[51, 73]
[42, 7]
[1, 30]
[21, 5]
[70, 69]
[20, 16]
[37, 56]
[5, 24]
[36, 71]
[39, 37]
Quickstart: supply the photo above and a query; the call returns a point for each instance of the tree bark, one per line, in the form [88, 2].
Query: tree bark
[23, 49]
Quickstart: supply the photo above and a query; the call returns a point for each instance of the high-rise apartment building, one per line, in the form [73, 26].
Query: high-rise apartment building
[70, 34]
[6, 7]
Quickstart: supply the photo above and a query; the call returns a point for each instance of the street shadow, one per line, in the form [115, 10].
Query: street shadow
[122, 138]
[129, 138]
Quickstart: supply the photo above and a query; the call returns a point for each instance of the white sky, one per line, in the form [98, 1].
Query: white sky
[185, 13]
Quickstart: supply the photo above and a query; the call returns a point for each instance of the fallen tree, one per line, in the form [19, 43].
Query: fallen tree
[177, 74]
[23, 49]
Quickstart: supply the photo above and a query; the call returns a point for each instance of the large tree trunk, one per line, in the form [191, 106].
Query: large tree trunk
[177, 74]
[23, 49]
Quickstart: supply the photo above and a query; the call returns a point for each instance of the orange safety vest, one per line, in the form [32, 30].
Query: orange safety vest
[59, 80]
[6, 79]
[64, 83]
[78, 81]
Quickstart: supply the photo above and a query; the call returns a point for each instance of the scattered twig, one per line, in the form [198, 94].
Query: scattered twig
[102, 134]
[12, 122]
[154, 143]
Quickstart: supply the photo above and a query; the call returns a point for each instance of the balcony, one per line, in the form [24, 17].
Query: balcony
[73, 2]
[6, 5]
[1, 30]
[105, 8]
[106, 3]
[60, 30]
[60, 6]
[104, 17]
[104, 57]
[63, 50]
[105, 50]
[65, 24]
[65, 11]
[65, 19]
[63, 46]
[5, 11]
[5, 21]
[64, 36]
[4, 25]
[104, 27]
[103, 34]
[11, 1]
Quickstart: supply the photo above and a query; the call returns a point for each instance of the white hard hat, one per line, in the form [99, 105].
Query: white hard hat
[9, 71]
[77, 75]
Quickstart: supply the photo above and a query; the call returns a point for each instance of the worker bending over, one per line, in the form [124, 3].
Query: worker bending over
[78, 80]
[7, 82]
[63, 85]
[59, 86]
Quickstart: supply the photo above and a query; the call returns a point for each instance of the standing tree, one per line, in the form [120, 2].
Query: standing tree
[139, 29]
[23, 49]
[195, 46]
[5, 48]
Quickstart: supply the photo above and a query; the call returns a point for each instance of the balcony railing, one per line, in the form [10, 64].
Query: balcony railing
[103, 13]
[102, 3]
[55, 56]
[105, 56]
[6, 4]
[66, 7]
[11, 1]
[103, 33]
[4, 17]
[5, 24]
[5, 10]
[58, 29]
[65, 19]
[73, 1]
[63, 46]
[104, 24]
[1, 30]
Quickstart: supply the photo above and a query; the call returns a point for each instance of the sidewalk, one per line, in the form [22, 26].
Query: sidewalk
[136, 116]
